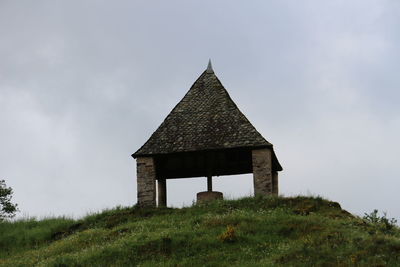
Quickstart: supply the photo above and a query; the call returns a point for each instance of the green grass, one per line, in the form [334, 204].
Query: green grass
[274, 231]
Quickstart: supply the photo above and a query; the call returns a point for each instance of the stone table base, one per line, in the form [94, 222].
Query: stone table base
[207, 196]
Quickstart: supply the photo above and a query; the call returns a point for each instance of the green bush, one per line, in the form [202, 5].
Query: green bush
[382, 223]
[7, 208]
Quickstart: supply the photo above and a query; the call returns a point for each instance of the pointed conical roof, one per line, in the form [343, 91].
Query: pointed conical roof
[205, 119]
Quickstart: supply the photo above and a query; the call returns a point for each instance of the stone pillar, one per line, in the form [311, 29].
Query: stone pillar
[162, 192]
[146, 182]
[262, 171]
[209, 183]
[275, 188]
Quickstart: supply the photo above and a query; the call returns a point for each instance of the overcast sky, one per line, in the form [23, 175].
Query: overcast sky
[83, 84]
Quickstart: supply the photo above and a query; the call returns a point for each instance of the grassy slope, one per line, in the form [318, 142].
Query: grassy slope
[300, 231]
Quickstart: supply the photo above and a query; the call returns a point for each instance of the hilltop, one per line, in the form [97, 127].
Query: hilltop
[273, 231]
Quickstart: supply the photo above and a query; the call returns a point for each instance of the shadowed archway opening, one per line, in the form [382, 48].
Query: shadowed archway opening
[182, 192]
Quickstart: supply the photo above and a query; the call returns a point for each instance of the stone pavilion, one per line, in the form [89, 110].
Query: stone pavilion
[205, 135]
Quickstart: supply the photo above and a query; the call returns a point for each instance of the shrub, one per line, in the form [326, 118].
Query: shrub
[7, 208]
[381, 222]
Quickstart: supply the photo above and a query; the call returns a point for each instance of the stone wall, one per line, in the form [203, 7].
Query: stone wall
[146, 182]
[262, 171]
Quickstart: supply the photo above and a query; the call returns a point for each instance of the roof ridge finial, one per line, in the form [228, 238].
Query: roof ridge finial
[209, 67]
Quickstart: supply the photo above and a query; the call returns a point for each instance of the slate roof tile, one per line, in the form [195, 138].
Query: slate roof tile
[205, 119]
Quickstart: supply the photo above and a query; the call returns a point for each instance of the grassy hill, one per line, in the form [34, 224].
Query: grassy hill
[274, 231]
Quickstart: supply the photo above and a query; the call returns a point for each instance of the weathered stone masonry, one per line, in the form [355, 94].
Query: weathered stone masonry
[146, 181]
[262, 171]
[264, 178]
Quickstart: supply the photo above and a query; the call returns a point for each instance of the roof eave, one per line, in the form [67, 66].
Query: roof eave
[136, 154]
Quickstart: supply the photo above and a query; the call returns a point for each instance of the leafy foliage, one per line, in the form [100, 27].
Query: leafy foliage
[382, 223]
[7, 208]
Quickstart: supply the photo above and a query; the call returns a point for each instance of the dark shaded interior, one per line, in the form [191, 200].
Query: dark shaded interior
[204, 163]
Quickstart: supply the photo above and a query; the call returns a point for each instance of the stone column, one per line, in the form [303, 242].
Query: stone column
[275, 188]
[146, 182]
[209, 183]
[262, 171]
[162, 192]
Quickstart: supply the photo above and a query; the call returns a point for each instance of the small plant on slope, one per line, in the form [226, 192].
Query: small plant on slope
[382, 222]
[229, 235]
[7, 208]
